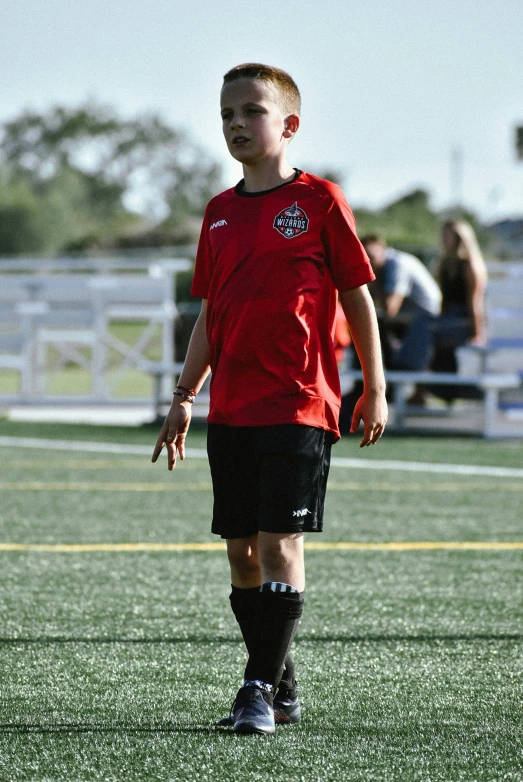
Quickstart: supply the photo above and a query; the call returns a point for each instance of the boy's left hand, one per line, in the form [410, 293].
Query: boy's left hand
[371, 408]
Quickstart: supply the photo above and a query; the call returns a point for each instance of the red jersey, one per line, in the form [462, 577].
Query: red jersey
[269, 265]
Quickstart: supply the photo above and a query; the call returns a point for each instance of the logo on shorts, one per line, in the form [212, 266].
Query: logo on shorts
[291, 221]
[301, 512]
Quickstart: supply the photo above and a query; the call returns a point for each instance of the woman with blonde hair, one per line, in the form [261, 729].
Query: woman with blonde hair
[462, 277]
[432, 342]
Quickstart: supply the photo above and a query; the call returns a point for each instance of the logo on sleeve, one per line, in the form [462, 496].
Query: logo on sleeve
[218, 224]
[291, 221]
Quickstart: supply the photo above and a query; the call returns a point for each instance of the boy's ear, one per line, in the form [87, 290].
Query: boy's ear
[292, 123]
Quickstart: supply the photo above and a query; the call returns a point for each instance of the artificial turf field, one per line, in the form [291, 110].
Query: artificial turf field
[114, 661]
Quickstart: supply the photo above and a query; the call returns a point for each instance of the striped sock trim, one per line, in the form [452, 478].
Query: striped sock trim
[264, 686]
[278, 586]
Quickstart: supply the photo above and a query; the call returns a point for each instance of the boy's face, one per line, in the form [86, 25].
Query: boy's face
[253, 124]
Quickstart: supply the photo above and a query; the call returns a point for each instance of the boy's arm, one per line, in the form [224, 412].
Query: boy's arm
[195, 370]
[371, 406]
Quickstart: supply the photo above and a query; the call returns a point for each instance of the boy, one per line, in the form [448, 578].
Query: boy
[272, 252]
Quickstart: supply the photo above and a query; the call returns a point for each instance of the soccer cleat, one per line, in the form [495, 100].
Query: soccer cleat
[286, 712]
[252, 713]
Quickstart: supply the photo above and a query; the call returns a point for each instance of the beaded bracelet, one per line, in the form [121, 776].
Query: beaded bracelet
[189, 391]
[187, 397]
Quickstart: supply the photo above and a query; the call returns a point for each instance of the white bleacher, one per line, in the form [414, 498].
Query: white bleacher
[495, 369]
[68, 311]
[70, 314]
[504, 316]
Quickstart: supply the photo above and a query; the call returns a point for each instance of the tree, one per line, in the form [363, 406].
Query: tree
[409, 223]
[408, 220]
[104, 172]
[29, 223]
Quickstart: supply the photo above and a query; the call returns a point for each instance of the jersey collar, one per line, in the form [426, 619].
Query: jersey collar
[241, 184]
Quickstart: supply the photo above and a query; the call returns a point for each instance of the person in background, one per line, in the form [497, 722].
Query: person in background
[403, 283]
[462, 276]
[403, 290]
[407, 299]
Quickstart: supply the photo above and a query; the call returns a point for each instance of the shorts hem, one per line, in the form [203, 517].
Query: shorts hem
[277, 532]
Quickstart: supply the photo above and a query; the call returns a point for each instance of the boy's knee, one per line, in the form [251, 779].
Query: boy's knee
[281, 558]
[281, 549]
[243, 559]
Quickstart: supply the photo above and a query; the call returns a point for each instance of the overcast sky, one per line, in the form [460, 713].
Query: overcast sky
[389, 89]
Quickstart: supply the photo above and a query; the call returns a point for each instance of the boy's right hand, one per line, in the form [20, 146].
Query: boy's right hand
[371, 408]
[173, 432]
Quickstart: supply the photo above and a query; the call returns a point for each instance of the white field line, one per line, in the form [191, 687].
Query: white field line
[201, 453]
[85, 446]
[452, 469]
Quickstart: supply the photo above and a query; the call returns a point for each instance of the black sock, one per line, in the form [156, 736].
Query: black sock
[278, 620]
[286, 687]
[246, 607]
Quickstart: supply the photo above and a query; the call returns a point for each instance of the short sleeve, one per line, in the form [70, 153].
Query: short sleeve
[346, 259]
[397, 278]
[203, 267]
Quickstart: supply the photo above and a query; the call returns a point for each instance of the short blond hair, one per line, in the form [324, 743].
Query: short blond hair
[289, 97]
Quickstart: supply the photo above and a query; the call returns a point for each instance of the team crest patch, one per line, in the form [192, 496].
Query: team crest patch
[291, 221]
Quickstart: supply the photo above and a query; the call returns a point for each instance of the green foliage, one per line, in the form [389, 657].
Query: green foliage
[189, 192]
[29, 222]
[81, 177]
[408, 222]
[19, 220]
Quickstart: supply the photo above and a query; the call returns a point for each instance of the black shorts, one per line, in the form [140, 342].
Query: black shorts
[268, 478]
